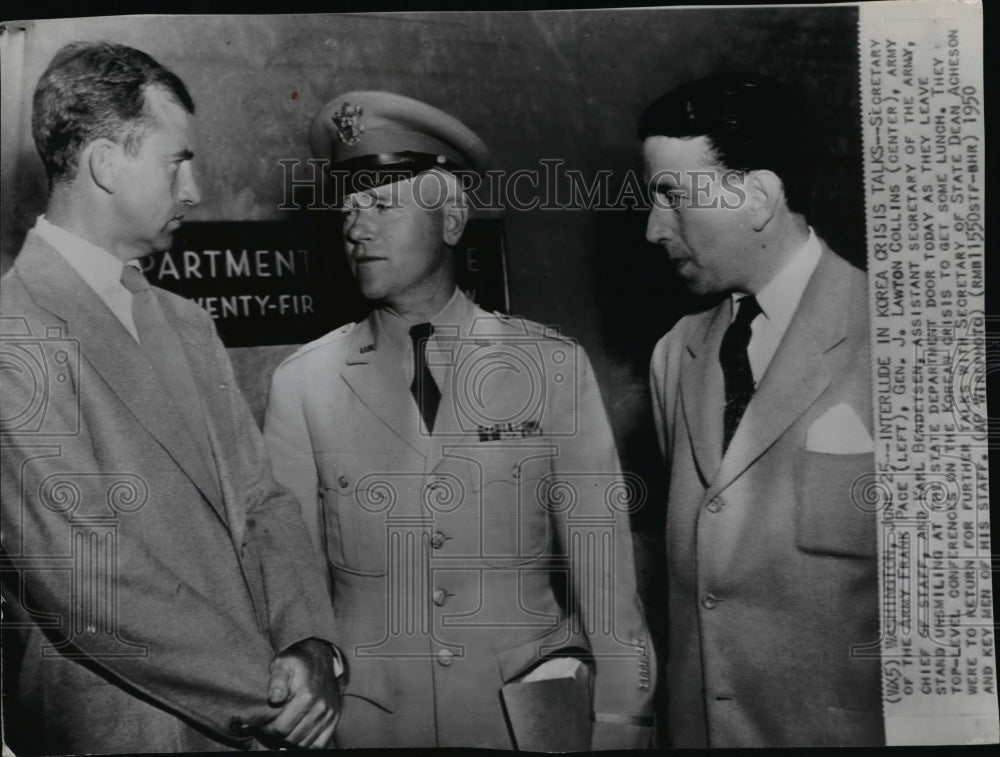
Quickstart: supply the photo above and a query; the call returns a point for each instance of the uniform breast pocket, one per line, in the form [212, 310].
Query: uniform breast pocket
[834, 512]
[514, 518]
[361, 496]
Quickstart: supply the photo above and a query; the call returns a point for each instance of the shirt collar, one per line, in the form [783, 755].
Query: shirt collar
[446, 322]
[453, 317]
[95, 265]
[779, 298]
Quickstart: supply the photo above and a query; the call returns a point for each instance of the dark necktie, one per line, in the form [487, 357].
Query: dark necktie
[161, 344]
[423, 388]
[736, 367]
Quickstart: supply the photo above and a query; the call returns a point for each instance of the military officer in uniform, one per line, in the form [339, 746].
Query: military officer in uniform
[457, 470]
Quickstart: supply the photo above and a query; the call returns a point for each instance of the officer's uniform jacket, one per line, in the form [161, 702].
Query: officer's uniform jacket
[773, 614]
[448, 553]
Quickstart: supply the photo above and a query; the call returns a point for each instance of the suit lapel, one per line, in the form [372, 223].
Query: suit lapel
[199, 349]
[380, 385]
[107, 346]
[799, 372]
[703, 392]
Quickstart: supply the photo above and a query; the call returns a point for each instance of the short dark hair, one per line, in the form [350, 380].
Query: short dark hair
[752, 122]
[95, 90]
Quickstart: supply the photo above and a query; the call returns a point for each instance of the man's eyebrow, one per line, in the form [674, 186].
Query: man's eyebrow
[184, 154]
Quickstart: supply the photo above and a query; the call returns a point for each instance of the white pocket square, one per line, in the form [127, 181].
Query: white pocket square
[839, 431]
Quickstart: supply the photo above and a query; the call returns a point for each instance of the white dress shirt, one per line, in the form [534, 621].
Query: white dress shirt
[778, 301]
[447, 323]
[99, 268]
[393, 332]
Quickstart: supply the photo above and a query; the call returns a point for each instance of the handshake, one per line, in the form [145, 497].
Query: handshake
[303, 695]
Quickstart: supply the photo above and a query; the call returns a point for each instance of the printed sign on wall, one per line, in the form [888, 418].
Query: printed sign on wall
[285, 282]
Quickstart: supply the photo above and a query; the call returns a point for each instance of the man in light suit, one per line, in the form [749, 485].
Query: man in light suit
[156, 580]
[763, 408]
[459, 474]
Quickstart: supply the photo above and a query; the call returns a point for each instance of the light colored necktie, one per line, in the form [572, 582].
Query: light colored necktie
[161, 344]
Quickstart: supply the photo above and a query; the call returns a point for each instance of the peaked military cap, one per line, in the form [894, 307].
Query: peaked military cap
[389, 137]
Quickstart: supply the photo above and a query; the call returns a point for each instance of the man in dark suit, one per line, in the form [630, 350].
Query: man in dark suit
[157, 580]
[763, 406]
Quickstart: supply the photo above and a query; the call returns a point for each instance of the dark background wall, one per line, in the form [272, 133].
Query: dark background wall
[548, 85]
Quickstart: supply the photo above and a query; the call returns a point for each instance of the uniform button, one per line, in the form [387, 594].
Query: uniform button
[715, 504]
[445, 657]
[709, 602]
[438, 540]
[342, 482]
[440, 597]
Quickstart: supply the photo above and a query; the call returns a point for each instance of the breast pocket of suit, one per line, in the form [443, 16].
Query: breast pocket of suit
[514, 515]
[836, 504]
[361, 494]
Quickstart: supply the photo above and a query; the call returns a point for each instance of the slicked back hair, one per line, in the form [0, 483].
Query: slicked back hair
[94, 90]
[752, 122]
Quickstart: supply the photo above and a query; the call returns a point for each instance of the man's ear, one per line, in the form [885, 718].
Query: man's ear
[102, 159]
[766, 197]
[456, 215]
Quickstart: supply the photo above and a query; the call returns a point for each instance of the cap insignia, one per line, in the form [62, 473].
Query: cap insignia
[348, 123]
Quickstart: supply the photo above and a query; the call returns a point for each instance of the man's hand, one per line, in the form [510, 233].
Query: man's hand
[304, 685]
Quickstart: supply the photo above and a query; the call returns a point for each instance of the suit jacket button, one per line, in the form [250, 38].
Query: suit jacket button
[440, 597]
[709, 602]
[238, 728]
[438, 540]
[342, 482]
[445, 657]
[715, 505]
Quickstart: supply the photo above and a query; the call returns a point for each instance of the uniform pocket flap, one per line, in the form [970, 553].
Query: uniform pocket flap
[508, 463]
